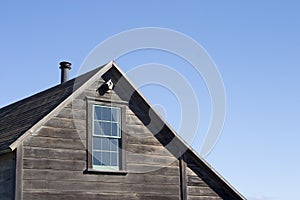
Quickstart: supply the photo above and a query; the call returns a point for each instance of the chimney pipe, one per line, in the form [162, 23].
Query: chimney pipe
[65, 67]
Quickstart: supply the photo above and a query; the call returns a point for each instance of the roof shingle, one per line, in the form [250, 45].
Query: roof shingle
[17, 118]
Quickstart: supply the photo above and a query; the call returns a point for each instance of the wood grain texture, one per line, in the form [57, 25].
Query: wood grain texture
[55, 160]
[183, 179]
[19, 174]
[54, 195]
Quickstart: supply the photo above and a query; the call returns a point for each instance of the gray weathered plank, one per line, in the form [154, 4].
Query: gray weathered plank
[71, 113]
[62, 154]
[150, 159]
[148, 149]
[105, 187]
[58, 122]
[65, 175]
[200, 191]
[64, 133]
[71, 165]
[51, 195]
[47, 142]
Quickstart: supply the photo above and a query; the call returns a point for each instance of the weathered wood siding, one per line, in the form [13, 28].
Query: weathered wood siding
[55, 160]
[7, 176]
[197, 188]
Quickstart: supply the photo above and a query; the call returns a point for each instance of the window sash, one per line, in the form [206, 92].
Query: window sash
[111, 161]
[110, 122]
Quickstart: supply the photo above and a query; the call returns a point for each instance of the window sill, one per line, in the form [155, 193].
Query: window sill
[107, 172]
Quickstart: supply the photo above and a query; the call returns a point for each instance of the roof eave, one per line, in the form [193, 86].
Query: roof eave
[5, 151]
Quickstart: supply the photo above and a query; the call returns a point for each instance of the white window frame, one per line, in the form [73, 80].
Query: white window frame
[119, 137]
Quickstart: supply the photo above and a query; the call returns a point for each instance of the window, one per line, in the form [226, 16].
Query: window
[106, 137]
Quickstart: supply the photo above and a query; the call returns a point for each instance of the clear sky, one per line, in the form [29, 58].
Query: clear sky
[255, 45]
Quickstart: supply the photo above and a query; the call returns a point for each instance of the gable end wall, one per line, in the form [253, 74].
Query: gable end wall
[55, 159]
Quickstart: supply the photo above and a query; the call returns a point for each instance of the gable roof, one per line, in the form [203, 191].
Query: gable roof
[21, 118]
[17, 118]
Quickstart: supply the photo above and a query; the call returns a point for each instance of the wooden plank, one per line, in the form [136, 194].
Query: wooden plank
[153, 169]
[30, 163]
[71, 113]
[19, 173]
[49, 195]
[150, 159]
[62, 154]
[76, 103]
[123, 150]
[166, 171]
[75, 195]
[148, 149]
[94, 94]
[195, 181]
[183, 181]
[103, 187]
[64, 133]
[133, 119]
[200, 191]
[55, 143]
[66, 123]
[108, 95]
[204, 198]
[64, 175]
[137, 129]
[150, 140]
[97, 83]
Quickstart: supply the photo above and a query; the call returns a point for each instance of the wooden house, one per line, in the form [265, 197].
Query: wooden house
[97, 137]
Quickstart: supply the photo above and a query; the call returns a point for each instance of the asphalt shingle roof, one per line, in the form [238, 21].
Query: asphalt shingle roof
[17, 118]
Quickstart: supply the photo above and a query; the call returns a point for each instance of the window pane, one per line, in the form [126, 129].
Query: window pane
[97, 112]
[115, 129]
[114, 144]
[106, 113]
[105, 144]
[106, 128]
[97, 128]
[114, 159]
[96, 158]
[96, 143]
[106, 139]
[115, 114]
[105, 158]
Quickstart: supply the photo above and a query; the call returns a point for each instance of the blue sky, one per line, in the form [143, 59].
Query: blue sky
[255, 45]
